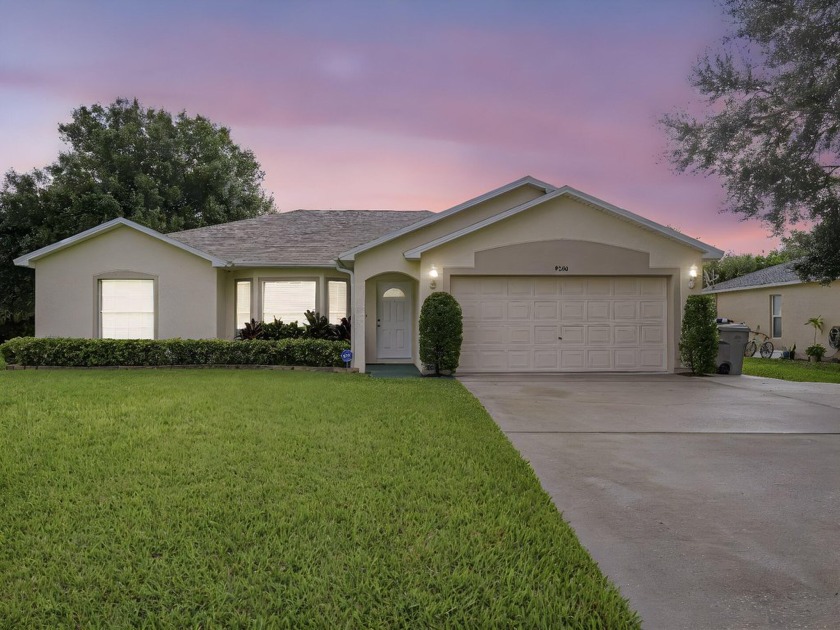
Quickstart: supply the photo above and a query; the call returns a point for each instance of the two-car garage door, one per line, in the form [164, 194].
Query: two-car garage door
[574, 324]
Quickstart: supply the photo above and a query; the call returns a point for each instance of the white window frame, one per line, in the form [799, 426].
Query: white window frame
[774, 316]
[301, 319]
[237, 325]
[329, 306]
[122, 275]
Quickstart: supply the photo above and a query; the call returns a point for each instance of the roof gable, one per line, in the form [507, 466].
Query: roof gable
[350, 254]
[27, 259]
[709, 252]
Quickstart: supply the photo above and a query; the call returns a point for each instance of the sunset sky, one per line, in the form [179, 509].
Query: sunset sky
[390, 104]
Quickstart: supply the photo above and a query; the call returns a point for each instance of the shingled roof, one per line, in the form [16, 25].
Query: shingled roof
[299, 238]
[777, 274]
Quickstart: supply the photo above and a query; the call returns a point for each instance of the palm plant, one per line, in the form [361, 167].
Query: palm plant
[818, 323]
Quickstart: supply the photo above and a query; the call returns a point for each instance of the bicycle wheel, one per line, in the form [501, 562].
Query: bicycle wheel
[766, 350]
[750, 348]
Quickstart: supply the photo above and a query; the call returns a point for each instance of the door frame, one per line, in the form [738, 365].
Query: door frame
[406, 287]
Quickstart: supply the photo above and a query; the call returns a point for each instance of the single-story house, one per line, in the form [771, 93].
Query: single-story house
[776, 302]
[549, 279]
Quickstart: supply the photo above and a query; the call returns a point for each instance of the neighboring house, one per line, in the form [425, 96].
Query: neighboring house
[550, 279]
[776, 302]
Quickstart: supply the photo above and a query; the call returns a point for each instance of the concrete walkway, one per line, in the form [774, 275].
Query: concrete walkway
[711, 502]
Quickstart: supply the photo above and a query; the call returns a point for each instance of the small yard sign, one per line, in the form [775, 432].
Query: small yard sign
[346, 356]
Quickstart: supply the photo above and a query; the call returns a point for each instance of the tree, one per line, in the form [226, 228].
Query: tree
[441, 332]
[166, 172]
[771, 129]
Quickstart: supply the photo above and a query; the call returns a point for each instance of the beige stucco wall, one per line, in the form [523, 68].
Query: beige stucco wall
[227, 293]
[556, 220]
[800, 302]
[66, 293]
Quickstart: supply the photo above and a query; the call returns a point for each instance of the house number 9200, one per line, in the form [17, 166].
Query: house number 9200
[561, 268]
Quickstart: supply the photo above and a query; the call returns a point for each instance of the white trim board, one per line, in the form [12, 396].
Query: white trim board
[27, 259]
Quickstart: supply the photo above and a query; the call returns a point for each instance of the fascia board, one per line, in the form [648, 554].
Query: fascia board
[27, 259]
[350, 254]
[711, 290]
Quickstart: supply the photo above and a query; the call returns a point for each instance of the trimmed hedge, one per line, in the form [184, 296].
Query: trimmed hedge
[73, 352]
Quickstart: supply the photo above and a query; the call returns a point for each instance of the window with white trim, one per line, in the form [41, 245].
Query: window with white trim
[127, 309]
[337, 300]
[243, 303]
[287, 300]
[776, 316]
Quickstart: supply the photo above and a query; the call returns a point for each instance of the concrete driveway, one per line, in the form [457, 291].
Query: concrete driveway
[711, 502]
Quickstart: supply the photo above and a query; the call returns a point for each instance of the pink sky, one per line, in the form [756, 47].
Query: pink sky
[390, 105]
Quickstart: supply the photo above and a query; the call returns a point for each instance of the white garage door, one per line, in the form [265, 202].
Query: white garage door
[573, 324]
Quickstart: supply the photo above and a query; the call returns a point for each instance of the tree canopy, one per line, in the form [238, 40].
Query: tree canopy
[771, 126]
[123, 160]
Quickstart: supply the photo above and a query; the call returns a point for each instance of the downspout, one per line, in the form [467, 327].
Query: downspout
[349, 272]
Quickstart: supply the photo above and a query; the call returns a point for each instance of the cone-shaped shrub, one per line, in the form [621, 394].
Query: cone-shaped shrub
[699, 338]
[441, 333]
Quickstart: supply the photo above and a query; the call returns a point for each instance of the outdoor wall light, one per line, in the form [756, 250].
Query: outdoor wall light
[692, 276]
[433, 274]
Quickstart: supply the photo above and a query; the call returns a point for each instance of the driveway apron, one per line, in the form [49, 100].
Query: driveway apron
[711, 502]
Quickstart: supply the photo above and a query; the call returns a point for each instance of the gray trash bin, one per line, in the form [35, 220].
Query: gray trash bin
[733, 339]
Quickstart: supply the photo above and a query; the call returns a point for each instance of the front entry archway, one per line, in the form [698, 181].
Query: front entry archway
[393, 320]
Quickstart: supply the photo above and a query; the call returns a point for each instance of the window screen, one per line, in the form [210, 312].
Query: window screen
[776, 310]
[243, 303]
[127, 309]
[337, 300]
[287, 300]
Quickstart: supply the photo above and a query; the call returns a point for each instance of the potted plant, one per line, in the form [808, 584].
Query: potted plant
[815, 351]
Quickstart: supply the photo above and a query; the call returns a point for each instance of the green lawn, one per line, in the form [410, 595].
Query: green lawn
[801, 371]
[276, 499]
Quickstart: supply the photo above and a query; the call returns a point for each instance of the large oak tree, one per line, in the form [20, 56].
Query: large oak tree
[771, 126]
[123, 160]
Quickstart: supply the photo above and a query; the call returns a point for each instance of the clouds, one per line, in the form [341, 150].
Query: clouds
[396, 104]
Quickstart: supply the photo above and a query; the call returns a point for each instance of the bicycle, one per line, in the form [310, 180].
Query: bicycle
[765, 349]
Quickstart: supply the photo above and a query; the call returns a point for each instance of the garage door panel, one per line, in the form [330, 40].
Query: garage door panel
[652, 310]
[625, 309]
[545, 310]
[572, 286]
[626, 286]
[599, 359]
[545, 335]
[492, 310]
[598, 335]
[573, 335]
[544, 287]
[626, 335]
[599, 286]
[546, 359]
[519, 310]
[572, 311]
[597, 310]
[522, 324]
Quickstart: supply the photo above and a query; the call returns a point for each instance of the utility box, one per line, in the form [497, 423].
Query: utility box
[733, 340]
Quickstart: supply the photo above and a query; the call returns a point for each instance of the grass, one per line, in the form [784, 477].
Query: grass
[269, 499]
[800, 371]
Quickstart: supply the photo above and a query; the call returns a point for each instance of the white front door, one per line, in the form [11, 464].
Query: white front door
[393, 320]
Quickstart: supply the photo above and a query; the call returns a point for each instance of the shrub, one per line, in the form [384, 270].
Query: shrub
[277, 330]
[72, 352]
[252, 330]
[318, 326]
[816, 350]
[441, 332]
[699, 337]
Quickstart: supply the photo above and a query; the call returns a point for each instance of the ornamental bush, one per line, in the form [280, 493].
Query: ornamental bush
[699, 337]
[73, 352]
[441, 333]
